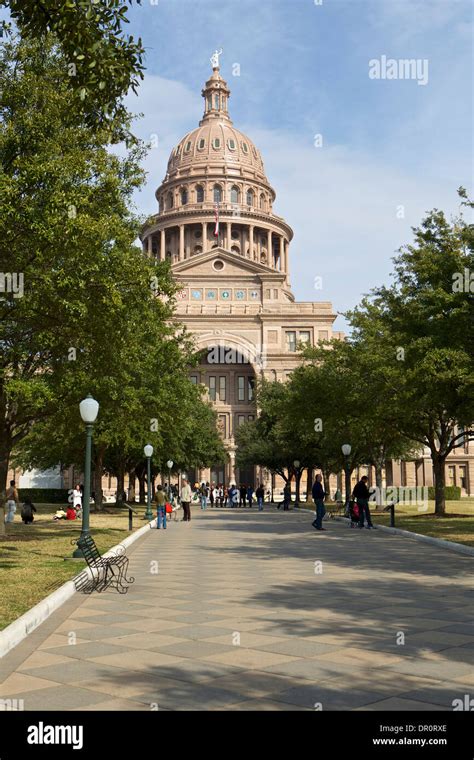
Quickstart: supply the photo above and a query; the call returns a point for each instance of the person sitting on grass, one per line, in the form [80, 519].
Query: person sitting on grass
[27, 512]
[71, 513]
[60, 515]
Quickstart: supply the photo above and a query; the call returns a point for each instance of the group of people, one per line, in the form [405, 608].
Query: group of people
[168, 499]
[28, 509]
[360, 494]
[218, 495]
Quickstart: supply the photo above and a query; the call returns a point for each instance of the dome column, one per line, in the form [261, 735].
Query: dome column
[251, 231]
[204, 237]
[269, 248]
[150, 246]
[163, 246]
[282, 254]
[181, 242]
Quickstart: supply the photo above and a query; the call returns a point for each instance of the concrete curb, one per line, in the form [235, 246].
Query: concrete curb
[14, 633]
[441, 543]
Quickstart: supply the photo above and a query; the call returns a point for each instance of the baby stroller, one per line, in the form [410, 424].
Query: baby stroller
[354, 514]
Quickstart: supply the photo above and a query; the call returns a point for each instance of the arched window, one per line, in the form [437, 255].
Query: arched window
[170, 200]
[199, 194]
[235, 195]
[217, 194]
[187, 147]
[209, 102]
[249, 197]
[262, 202]
[184, 196]
[216, 102]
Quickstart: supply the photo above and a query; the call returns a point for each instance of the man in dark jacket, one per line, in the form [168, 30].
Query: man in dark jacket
[318, 497]
[362, 494]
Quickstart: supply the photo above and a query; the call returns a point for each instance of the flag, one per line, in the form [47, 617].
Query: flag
[216, 230]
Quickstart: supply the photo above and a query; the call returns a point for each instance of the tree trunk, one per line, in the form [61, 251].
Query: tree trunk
[298, 475]
[5, 451]
[326, 476]
[439, 482]
[309, 484]
[141, 482]
[120, 484]
[378, 483]
[98, 470]
[131, 486]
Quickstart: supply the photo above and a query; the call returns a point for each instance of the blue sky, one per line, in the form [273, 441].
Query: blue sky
[304, 71]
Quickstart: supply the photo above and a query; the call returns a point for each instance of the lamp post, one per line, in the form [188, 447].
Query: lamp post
[148, 451]
[296, 465]
[89, 409]
[169, 465]
[346, 450]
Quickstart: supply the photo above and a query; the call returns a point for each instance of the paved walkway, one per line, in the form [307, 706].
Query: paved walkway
[241, 616]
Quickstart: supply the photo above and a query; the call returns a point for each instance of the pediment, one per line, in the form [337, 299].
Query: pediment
[234, 265]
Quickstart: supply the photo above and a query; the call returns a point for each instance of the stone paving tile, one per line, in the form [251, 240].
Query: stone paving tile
[71, 672]
[254, 683]
[197, 649]
[135, 683]
[262, 705]
[326, 697]
[147, 641]
[137, 659]
[202, 631]
[115, 705]
[58, 640]
[89, 650]
[60, 698]
[250, 658]
[42, 658]
[201, 696]
[401, 704]
[248, 639]
[99, 632]
[18, 683]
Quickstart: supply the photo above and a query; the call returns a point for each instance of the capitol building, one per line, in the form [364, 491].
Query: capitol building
[230, 253]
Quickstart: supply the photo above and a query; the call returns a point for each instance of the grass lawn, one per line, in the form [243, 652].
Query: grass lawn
[457, 525]
[32, 556]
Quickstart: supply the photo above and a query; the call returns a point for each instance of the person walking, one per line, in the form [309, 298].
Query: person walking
[215, 495]
[203, 495]
[27, 512]
[12, 501]
[286, 497]
[319, 495]
[160, 501]
[243, 495]
[250, 496]
[260, 494]
[211, 494]
[186, 496]
[234, 496]
[362, 494]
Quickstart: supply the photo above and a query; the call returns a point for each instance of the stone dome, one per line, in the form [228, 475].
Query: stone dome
[216, 142]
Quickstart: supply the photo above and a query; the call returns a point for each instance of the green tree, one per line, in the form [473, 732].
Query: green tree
[70, 270]
[100, 62]
[420, 334]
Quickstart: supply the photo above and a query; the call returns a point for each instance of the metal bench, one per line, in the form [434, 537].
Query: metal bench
[105, 572]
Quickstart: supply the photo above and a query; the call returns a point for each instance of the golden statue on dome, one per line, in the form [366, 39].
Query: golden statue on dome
[215, 58]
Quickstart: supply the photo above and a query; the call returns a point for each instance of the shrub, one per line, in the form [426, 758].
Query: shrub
[44, 495]
[452, 493]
